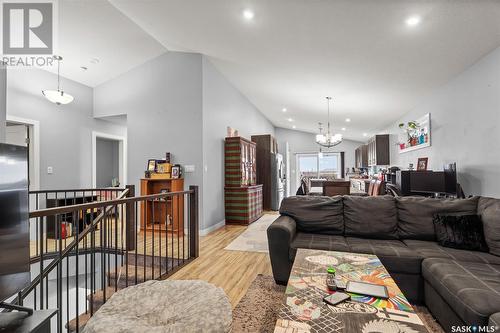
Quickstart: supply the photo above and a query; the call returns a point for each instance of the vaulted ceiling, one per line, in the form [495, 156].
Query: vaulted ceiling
[292, 53]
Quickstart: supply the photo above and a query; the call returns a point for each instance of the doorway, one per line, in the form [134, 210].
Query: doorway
[107, 163]
[24, 132]
[109, 160]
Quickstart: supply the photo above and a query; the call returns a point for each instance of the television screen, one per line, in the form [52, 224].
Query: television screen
[14, 217]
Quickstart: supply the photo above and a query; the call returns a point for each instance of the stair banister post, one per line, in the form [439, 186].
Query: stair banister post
[130, 222]
[193, 222]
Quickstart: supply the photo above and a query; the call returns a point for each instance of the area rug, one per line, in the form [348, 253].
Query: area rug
[254, 238]
[258, 309]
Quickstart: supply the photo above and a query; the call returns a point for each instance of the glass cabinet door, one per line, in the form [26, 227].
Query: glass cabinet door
[244, 169]
[252, 167]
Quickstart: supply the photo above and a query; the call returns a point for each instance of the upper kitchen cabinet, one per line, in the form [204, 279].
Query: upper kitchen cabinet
[361, 156]
[378, 150]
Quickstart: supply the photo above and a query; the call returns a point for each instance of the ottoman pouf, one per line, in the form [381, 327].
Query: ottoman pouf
[164, 306]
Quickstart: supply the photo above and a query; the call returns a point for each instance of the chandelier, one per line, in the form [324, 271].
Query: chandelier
[58, 96]
[328, 139]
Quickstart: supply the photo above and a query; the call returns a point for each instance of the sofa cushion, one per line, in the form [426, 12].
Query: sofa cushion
[489, 210]
[370, 217]
[315, 214]
[393, 254]
[415, 214]
[463, 232]
[317, 242]
[471, 289]
[433, 250]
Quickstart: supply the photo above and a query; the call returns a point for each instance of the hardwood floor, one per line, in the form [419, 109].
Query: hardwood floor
[233, 271]
[161, 242]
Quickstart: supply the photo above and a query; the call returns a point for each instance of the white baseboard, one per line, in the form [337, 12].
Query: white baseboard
[204, 232]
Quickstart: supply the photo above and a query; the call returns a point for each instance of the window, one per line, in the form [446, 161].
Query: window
[308, 165]
[329, 166]
[314, 165]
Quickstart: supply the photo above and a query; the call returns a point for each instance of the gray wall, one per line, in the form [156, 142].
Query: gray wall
[65, 130]
[107, 161]
[302, 142]
[180, 103]
[163, 103]
[223, 105]
[3, 101]
[465, 127]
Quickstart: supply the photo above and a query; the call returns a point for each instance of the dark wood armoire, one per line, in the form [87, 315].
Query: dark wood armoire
[242, 195]
[267, 146]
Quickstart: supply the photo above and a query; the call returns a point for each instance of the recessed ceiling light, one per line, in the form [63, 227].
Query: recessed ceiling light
[95, 61]
[284, 110]
[290, 119]
[294, 127]
[248, 14]
[365, 134]
[83, 68]
[413, 21]
[343, 128]
[347, 120]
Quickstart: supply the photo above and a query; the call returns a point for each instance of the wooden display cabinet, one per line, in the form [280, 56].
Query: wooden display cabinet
[163, 215]
[240, 162]
[243, 197]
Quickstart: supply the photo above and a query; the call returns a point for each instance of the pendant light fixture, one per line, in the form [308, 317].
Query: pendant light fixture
[328, 139]
[58, 96]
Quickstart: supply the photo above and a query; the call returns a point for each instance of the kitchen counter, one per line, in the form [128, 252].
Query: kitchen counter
[360, 185]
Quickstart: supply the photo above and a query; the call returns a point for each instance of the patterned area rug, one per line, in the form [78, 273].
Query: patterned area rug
[258, 309]
[254, 238]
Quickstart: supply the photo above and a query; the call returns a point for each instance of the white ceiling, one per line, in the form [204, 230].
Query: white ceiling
[95, 29]
[294, 52]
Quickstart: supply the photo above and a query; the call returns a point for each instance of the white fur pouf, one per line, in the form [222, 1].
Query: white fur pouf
[164, 306]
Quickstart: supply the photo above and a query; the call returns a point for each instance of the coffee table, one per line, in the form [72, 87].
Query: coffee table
[303, 309]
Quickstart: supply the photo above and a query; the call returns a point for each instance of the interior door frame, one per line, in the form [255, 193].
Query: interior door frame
[122, 156]
[35, 142]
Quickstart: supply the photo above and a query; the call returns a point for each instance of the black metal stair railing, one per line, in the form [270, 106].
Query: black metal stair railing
[42, 199]
[115, 243]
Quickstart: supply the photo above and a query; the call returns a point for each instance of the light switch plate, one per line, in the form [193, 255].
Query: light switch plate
[189, 168]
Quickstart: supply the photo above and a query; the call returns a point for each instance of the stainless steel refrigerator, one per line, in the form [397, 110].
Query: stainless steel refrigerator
[14, 229]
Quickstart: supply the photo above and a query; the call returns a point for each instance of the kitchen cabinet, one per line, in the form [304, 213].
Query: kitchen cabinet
[361, 156]
[378, 150]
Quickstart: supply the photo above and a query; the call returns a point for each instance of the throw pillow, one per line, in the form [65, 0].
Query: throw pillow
[463, 232]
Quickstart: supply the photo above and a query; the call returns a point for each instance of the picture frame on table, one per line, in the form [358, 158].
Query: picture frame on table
[162, 166]
[151, 165]
[176, 171]
[422, 163]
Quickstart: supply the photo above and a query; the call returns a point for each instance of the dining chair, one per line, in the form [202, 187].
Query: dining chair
[371, 187]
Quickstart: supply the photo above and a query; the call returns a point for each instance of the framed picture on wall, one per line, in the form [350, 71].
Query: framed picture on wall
[415, 134]
[422, 163]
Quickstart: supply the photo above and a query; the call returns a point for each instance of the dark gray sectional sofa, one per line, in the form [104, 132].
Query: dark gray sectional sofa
[459, 287]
